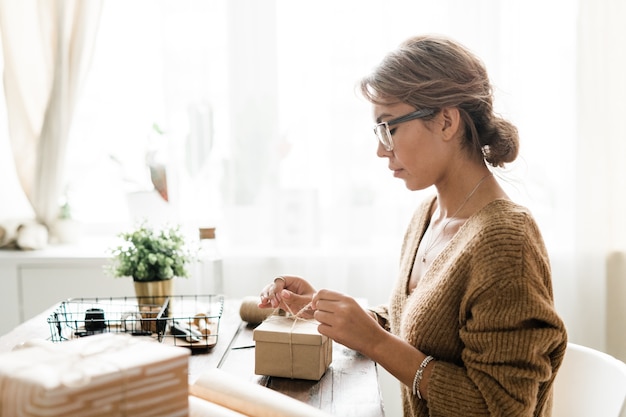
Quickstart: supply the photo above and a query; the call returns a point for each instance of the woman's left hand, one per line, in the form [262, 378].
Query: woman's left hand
[345, 321]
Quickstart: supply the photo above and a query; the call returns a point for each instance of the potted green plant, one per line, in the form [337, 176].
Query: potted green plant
[152, 257]
[65, 229]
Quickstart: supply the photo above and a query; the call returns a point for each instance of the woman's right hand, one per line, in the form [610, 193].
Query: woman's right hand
[287, 292]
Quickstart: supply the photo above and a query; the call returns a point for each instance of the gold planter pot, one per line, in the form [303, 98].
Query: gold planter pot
[154, 292]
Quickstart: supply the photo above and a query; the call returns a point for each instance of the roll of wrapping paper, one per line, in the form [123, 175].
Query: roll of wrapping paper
[250, 311]
[199, 407]
[248, 398]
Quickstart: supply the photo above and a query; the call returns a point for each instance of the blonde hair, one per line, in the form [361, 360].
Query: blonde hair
[436, 72]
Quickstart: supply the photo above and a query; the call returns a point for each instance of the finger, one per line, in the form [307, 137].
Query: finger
[323, 317]
[296, 299]
[276, 290]
[326, 297]
[265, 302]
[315, 299]
[290, 301]
[280, 280]
[265, 295]
[296, 303]
[272, 294]
[269, 297]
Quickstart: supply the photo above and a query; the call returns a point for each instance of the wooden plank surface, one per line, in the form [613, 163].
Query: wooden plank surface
[348, 388]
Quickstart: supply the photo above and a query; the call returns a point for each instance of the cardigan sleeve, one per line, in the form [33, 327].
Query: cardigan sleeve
[382, 316]
[513, 340]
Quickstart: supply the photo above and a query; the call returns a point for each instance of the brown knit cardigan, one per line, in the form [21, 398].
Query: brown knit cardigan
[485, 311]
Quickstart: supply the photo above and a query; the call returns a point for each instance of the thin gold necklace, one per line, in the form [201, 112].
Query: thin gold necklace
[432, 240]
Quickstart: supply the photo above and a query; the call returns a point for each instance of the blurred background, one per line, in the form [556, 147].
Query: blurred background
[243, 115]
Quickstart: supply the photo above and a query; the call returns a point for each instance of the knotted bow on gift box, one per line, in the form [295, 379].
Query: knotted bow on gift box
[110, 374]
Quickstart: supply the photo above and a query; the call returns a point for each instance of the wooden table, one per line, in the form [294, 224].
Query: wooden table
[348, 388]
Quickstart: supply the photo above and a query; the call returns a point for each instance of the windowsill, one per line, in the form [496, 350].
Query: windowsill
[97, 249]
[87, 249]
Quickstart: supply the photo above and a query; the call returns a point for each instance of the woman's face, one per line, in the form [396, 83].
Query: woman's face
[419, 155]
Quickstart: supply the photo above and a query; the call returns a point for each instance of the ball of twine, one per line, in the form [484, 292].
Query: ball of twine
[250, 311]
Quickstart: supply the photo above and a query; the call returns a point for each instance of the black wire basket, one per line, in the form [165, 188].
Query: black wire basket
[191, 321]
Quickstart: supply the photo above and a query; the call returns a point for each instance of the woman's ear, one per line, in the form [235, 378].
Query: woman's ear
[451, 122]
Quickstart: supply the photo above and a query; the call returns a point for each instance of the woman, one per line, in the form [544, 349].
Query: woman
[471, 328]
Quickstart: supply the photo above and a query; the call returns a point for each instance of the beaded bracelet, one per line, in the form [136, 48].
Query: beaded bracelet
[418, 376]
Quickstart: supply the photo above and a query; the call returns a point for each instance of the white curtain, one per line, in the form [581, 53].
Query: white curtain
[47, 47]
[601, 176]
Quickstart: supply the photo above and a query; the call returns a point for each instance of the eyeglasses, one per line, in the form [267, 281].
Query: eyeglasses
[382, 129]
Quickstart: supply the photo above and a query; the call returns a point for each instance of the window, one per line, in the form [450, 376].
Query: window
[264, 134]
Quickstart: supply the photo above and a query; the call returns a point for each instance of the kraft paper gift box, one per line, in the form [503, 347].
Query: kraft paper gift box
[291, 348]
[102, 375]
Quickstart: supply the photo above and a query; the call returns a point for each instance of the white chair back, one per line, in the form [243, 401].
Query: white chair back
[589, 383]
